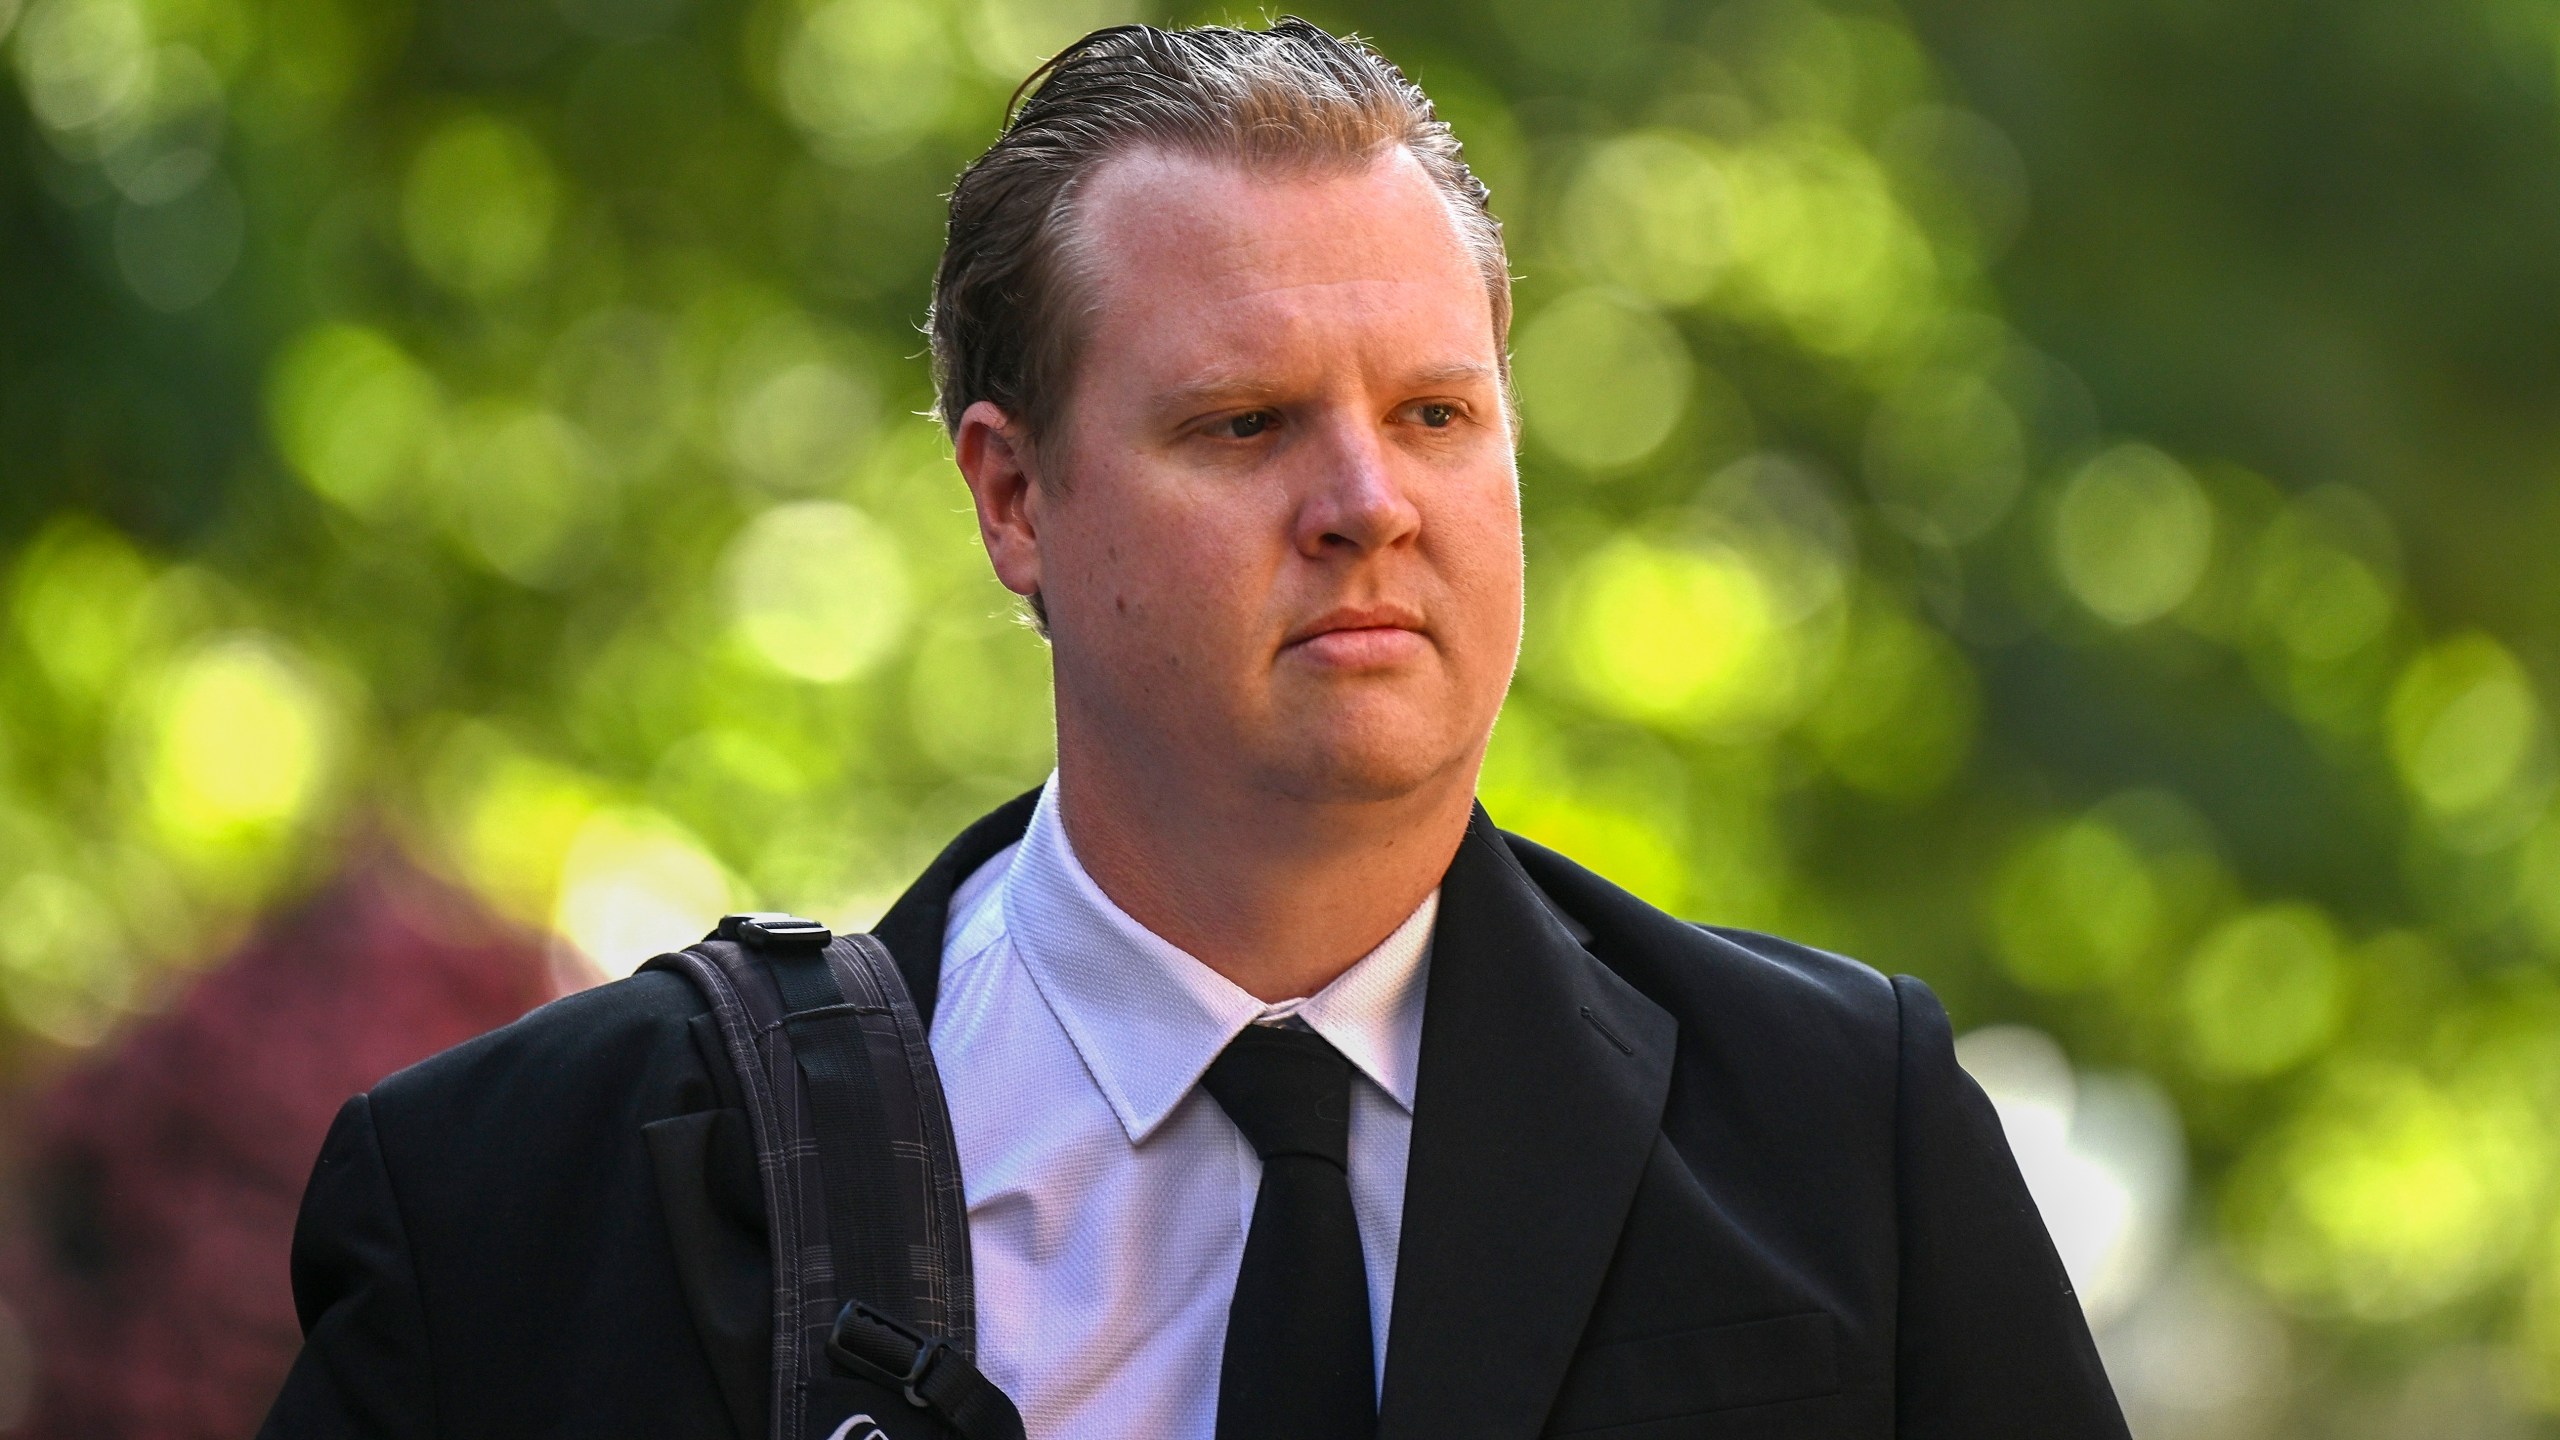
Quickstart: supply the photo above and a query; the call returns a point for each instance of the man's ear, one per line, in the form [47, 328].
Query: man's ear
[995, 457]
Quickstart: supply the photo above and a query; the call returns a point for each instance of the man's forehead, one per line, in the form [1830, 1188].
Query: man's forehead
[1205, 266]
[1154, 218]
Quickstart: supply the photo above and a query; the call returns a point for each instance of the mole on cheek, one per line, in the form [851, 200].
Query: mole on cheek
[1120, 603]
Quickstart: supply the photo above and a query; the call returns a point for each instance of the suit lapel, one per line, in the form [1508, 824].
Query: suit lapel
[1540, 1096]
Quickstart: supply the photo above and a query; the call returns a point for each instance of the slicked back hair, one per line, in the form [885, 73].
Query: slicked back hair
[1007, 309]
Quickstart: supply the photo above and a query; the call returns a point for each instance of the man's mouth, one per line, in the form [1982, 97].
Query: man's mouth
[1360, 637]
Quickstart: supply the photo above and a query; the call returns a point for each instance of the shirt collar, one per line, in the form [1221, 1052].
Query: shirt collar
[1146, 1017]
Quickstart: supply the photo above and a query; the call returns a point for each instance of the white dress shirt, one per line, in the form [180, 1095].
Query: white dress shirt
[1108, 1194]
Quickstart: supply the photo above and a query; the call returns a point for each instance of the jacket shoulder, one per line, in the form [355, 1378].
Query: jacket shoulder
[1710, 972]
[1608, 918]
[519, 1171]
[625, 1045]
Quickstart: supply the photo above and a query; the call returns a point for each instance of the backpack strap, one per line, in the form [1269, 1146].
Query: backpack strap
[873, 1302]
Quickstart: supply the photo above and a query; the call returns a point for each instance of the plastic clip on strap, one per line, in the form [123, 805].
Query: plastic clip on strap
[773, 930]
[932, 1373]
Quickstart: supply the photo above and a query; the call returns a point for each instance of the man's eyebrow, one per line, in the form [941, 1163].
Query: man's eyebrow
[1217, 389]
[1203, 390]
[1461, 372]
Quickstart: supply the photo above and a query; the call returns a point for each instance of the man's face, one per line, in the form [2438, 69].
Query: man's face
[1279, 538]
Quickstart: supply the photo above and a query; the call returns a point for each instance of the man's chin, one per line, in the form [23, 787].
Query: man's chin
[1357, 769]
[1364, 743]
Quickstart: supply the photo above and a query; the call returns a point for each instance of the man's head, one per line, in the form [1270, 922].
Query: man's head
[1220, 338]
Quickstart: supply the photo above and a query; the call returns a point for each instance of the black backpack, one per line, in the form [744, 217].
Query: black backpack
[874, 1324]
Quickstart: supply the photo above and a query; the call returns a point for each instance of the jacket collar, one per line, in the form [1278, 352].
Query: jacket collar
[913, 927]
[1540, 1099]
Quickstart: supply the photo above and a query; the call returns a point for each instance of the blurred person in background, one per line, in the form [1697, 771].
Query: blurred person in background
[1220, 332]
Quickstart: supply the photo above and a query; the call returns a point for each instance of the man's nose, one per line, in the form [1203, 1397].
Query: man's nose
[1354, 497]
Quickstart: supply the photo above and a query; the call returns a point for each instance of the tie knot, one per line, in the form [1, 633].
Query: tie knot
[1288, 1091]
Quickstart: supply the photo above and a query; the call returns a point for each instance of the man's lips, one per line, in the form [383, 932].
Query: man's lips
[1360, 635]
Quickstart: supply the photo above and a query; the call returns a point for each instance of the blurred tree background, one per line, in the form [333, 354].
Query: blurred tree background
[2055, 499]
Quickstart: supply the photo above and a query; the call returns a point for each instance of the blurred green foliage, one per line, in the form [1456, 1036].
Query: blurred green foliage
[2052, 499]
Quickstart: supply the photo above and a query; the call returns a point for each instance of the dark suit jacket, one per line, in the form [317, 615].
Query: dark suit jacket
[1666, 1181]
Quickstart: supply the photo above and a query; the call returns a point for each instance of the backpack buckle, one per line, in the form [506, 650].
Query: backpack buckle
[846, 1343]
[773, 930]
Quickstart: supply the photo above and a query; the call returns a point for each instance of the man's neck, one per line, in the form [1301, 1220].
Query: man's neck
[1278, 895]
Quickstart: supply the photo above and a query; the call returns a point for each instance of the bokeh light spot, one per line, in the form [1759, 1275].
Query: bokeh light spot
[2264, 991]
[1779, 511]
[1602, 381]
[84, 62]
[2075, 906]
[2463, 722]
[1965, 175]
[2131, 534]
[353, 413]
[817, 590]
[1674, 634]
[529, 498]
[1639, 854]
[507, 817]
[634, 884]
[621, 377]
[1617, 802]
[1010, 37]
[796, 413]
[866, 76]
[2393, 1195]
[241, 735]
[478, 206]
[1649, 211]
[1820, 246]
[2325, 584]
[171, 141]
[63, 970]
[77, 599]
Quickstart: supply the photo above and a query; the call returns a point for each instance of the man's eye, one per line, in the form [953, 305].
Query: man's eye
[1249, 424]
[1439, 417]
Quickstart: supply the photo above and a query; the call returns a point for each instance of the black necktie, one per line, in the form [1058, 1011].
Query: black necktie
[1298, 1362]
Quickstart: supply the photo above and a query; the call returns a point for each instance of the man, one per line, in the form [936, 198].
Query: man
[1220, 337]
